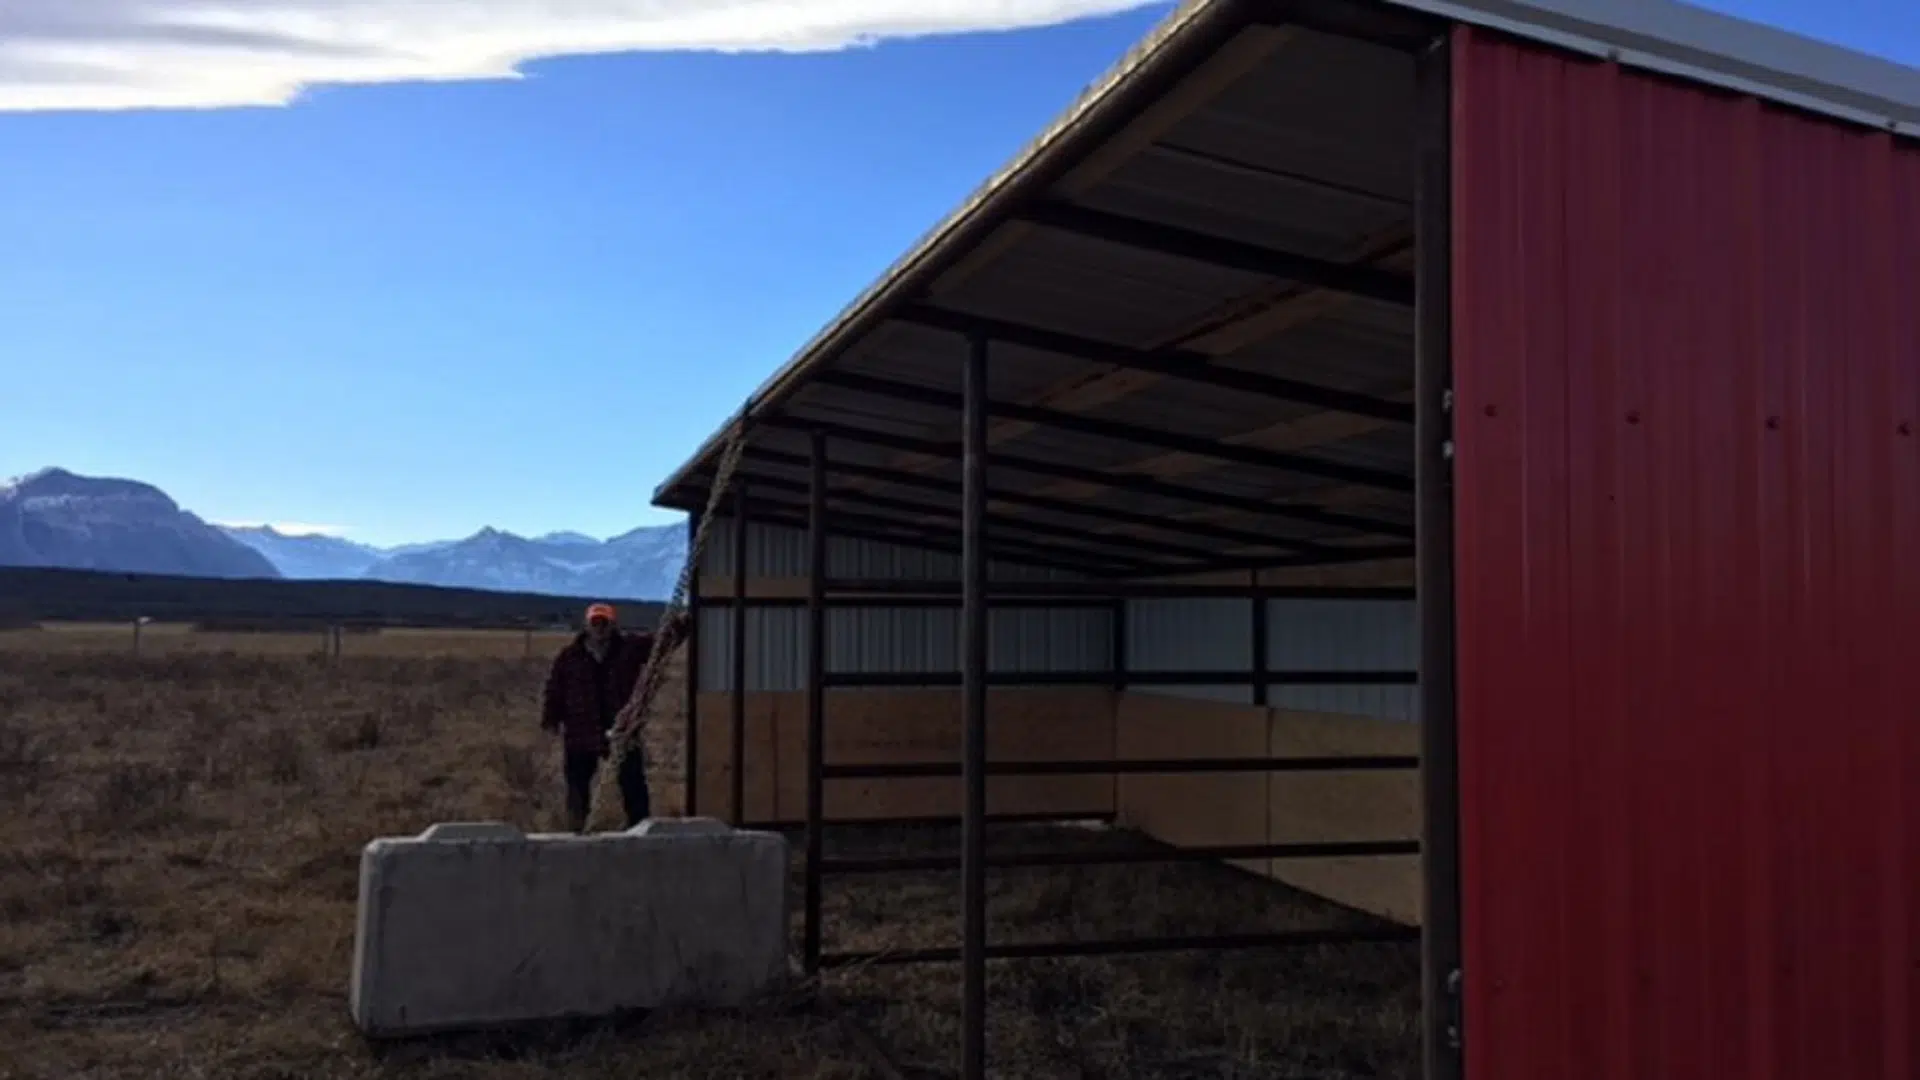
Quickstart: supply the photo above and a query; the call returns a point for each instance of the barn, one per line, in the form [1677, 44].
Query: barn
[1453, 456]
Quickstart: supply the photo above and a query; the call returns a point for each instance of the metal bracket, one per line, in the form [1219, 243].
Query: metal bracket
[1454, 1011]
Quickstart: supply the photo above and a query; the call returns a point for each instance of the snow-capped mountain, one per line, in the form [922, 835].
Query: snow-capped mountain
[54, 518]
[309, 557]
[639, 565]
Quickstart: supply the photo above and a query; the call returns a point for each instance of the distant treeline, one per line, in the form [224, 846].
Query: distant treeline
[33, 595]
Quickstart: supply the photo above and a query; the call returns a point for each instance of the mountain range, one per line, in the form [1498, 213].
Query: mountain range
[55, 518]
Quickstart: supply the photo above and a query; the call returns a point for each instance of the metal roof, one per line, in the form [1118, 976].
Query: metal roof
[1198, 284]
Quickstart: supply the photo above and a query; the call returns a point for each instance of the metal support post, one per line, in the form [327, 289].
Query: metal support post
[737, 683]
[1441, 989]
[816, 695]
[973, 693]
[1261, 607]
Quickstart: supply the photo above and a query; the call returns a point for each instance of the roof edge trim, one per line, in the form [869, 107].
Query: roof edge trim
[1164, 47]
[1707, 47]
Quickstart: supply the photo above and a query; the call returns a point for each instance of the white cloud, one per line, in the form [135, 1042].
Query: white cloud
[289, 528]
[133, 54]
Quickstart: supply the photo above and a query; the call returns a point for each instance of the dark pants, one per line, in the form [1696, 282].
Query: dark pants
[582, 765]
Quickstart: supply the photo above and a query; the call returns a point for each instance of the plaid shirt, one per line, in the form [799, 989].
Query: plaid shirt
[584, 695]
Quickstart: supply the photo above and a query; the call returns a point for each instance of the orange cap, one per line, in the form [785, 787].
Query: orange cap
[600, 611]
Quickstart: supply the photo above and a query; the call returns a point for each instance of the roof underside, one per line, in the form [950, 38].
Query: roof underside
[1201, 322]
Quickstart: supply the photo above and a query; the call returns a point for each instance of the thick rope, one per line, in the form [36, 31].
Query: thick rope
[629, 726]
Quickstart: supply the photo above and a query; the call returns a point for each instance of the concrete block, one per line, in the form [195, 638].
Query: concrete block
[694, 826]
[475, 924]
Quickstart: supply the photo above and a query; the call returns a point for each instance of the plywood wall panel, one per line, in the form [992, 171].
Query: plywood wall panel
[896, 726]
[1347, 806]
[1198, 809]
[1226, 808]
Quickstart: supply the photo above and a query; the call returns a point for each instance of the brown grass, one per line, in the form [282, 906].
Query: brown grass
[178, 860]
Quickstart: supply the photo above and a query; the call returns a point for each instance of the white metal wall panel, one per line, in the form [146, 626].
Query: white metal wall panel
[776, 653]
[1191, 634]
[898, 641]
[1340, 635]
[781, 551]
[1302, 635]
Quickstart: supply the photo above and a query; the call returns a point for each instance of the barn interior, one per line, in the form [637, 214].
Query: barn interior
[1178, 335]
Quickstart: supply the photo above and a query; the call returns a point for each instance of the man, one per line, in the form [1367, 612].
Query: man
[591, 680]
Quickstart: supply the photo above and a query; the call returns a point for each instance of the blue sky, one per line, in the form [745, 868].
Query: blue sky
[413, 309]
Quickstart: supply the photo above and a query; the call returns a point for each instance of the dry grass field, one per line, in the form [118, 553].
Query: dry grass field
[178, 860]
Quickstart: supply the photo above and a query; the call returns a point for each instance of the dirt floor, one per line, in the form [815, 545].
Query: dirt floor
[178, 855]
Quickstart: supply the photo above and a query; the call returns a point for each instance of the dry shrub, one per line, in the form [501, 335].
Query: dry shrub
[364, 733]
[44, 883]
[284, 756]
[23, 753]
[520, 771]
[138, 795]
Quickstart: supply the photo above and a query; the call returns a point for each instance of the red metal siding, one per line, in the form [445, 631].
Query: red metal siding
[1687, 358]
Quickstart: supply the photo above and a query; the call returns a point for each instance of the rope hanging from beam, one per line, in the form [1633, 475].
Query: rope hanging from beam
[629, 725]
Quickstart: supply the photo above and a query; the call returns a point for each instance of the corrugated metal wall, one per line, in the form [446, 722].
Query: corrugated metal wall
[898, 640]
[1687, 358]
[882, 640]
[1302, 635]
[1192, 634]
[780, 551]
[1345, 635]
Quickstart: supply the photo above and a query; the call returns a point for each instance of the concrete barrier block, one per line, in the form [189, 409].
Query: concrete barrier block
[475, 924]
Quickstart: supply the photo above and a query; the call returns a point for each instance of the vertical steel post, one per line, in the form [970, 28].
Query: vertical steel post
[1441, 990]
[1260, 606]
[737, 684]
[1117, 620]
[973, 694]
[816, 694]
[690, 756]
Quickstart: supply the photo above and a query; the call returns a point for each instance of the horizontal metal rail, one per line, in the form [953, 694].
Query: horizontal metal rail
[1331, 849]
[1117, 590]
[1342, 763]
[935, 821]
[904, 600]
[868, 680]
[1038, 950]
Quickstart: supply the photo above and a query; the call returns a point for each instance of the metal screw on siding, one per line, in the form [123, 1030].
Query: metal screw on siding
[1446, 450]
[1453, 1023]
[1446, 400]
